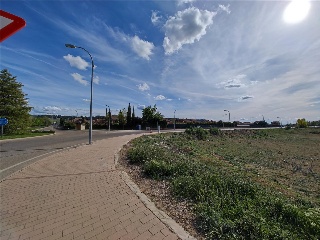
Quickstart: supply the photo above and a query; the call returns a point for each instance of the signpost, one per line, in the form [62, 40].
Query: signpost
[9, 24]
[3, 121]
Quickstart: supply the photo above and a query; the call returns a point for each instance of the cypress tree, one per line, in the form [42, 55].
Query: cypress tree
[129, 120]
[110, 117]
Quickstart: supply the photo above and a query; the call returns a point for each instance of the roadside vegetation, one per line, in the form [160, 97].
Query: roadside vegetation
[14, 106]
[243, 184]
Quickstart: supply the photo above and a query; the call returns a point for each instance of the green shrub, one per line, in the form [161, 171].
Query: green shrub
[145, 153]
[198, 132]
[288, 127]
[302, 123]
[214, 131]
[158, 169]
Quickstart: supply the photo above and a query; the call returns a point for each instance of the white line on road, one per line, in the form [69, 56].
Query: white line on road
[6, 169]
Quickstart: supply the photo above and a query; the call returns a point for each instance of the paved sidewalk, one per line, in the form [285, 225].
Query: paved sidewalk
[79, 194]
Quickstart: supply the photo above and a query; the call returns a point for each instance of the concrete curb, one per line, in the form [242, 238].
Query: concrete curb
[36, 159]
[162, 216]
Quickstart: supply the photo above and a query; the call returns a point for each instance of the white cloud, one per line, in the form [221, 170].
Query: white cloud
[96, 80]
[143, 87]
[141, 47]
[160, 97]
[236, 82]
[141, 107]
[181, 2]
[186, 27]
[155, 18]
[225, 8]
[77, 62]
[86, 100]
[79, 78]
[51, 109]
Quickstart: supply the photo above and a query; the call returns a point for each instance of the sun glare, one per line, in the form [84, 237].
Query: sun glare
[296, 11]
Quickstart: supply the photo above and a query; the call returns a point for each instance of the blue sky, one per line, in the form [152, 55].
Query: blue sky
[196, 57]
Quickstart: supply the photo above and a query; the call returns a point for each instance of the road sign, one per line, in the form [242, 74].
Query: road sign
[9, 24]
[3, 121]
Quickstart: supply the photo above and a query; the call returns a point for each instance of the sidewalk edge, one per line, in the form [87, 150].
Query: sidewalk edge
[162, 216]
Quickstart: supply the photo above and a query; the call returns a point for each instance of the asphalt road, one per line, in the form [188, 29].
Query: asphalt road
[18, 153]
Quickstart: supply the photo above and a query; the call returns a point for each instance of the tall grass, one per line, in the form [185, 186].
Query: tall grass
[228, 205]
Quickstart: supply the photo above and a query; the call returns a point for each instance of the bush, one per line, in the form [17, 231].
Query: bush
[197, 132]
[147, 150]
[142, 154]
[288, 127]
[302, 123]
[158, 169]
[214, 131]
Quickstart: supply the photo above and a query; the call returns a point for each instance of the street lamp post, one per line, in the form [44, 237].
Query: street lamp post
[92, 65]
[174, 120]
[108, 115]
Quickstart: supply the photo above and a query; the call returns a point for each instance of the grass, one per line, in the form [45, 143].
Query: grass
[250, 184]
[27, 134]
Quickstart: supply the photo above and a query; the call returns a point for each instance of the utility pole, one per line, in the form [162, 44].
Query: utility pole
[109, 116]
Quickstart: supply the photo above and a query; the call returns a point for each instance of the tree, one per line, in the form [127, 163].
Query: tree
[302, 123]
[259, 124]
[38, 121]
[129, 119]
[314, 123]
[109, 118]
[122, 117]
[150, 116]
[220, 123]
[13, 104]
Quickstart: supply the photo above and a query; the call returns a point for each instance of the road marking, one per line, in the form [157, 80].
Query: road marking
[3, 170]
[6, 169]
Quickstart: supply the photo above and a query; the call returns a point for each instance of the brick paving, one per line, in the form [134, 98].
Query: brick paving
[77, 194]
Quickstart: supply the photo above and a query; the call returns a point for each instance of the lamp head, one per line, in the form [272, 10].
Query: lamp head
[70, 45]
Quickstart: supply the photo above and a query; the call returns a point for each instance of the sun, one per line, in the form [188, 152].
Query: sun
[296, 11]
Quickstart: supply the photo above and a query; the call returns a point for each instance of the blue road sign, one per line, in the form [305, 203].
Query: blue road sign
[3, 121]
